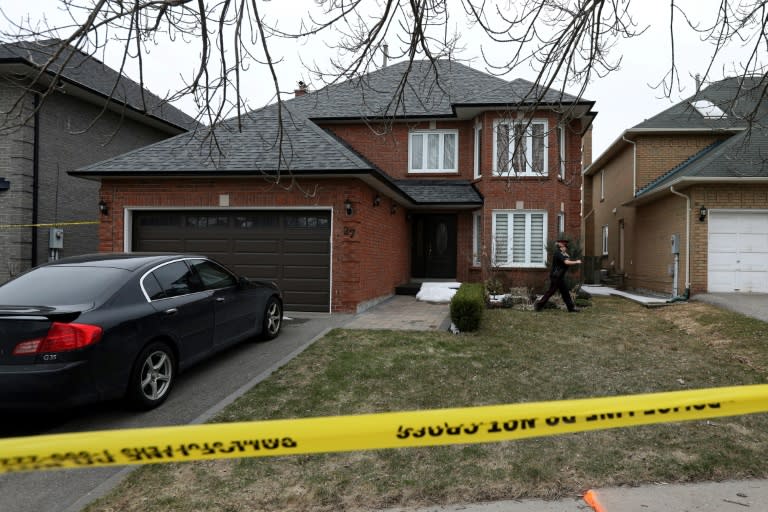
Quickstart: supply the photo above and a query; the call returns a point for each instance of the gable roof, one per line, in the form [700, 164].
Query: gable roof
[741, 100]
[742, 158]
[88, 74]
[286, 136]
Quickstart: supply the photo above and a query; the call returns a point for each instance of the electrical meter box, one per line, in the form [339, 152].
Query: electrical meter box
[56, 238]
[675, 243]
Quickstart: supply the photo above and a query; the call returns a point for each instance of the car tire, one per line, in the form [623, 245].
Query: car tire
[273, 319]
[152, 377]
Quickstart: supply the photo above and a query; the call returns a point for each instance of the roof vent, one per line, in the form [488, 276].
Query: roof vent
[708, 110]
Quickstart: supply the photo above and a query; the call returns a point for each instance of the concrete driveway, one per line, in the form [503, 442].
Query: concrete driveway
[749, 304]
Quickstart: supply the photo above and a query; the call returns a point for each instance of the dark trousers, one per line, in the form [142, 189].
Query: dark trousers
[556, 284]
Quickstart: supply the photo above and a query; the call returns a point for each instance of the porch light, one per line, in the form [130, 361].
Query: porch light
[103, 207]
[393, 209]
[702, 213]
[376, 200]
[348, 207]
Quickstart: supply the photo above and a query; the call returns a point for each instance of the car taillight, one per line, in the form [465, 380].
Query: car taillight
[60, 338]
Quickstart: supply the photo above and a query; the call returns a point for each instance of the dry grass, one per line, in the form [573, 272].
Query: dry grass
[614, 347]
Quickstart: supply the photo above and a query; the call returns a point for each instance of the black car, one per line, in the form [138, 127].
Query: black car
[105, 326]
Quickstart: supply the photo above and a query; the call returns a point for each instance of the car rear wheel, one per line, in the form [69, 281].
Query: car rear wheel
[273, 319]
[153, 376]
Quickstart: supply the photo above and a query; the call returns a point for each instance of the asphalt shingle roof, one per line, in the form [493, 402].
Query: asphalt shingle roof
[258, 144]
[89, 73]
[736, 97]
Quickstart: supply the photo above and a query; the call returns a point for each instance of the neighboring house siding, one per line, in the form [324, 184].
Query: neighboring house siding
[371, 248]
[653, 260]
[69, 141]
[615, 180]
[657, 154]
[16, 156]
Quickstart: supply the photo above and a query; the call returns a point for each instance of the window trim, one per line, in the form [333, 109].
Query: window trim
[476, 237]
[442, 133]
[561, 150]
[529, 126]
[478, 151]
[528, 264]
[605, 240]
[602, 185]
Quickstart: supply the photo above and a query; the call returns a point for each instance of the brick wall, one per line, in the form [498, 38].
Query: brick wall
[72, 134]
[16, 156]
[657, 154]
[371, 248]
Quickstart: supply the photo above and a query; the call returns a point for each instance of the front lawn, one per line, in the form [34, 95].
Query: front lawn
[614, 347]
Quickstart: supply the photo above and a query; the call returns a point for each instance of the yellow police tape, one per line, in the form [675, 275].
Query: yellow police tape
[50, 224]
[373, 431]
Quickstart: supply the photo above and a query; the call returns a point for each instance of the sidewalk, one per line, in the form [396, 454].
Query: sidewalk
[728, 496]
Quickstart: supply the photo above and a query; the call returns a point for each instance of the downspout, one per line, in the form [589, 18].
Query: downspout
[634, 163]
[687, 292]
[35, 178]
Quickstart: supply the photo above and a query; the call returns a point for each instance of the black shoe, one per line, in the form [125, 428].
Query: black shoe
[574, 310]
[537, 306]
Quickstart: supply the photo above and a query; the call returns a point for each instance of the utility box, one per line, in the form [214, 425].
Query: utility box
[675, 243]
[56, 238]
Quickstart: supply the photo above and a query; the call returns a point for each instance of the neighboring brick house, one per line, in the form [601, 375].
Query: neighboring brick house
[679, 203]
[42, 139]
[372, 193]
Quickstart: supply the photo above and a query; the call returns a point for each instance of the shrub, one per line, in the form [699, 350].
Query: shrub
[467, 306]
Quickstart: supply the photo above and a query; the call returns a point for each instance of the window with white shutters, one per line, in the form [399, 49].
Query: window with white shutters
[519, 238]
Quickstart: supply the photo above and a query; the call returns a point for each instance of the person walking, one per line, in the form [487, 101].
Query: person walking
[561, 261]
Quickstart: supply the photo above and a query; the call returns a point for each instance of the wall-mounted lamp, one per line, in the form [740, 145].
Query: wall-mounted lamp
[393, 209]
[103, 207]
[348, 207]
[4, 184]
[376, 200]
[702, 213]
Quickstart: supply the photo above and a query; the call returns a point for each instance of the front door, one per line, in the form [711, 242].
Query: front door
[434, 246]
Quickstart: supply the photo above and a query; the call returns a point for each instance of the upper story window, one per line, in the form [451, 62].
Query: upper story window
[520, 148]
[433, 151]
[561, 152]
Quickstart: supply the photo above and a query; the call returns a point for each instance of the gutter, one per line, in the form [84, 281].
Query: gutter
[687, 245]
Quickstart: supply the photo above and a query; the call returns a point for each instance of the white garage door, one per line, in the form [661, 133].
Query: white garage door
[738, 252]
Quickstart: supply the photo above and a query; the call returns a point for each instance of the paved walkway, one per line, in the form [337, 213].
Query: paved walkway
[403, 312]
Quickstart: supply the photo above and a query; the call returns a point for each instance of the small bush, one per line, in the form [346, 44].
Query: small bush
[467, 306]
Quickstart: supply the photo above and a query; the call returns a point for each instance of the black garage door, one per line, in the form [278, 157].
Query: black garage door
[291, 248]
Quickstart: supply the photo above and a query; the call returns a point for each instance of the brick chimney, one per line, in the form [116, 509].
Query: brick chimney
[302, 90]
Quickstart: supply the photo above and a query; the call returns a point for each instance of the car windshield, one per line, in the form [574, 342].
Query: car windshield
[61, 285]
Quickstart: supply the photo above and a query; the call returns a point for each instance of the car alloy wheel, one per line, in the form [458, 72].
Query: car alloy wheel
[273, 319]
[153, 376]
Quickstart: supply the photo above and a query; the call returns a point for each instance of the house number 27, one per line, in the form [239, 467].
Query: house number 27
[350, 232]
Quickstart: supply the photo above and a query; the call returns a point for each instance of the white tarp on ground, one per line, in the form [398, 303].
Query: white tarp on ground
[437, 292]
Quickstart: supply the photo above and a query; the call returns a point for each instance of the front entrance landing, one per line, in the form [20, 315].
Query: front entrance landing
[405, 313]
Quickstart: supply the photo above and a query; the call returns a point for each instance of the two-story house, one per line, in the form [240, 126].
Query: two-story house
[342, 194]
[52, 122]
[679, 203]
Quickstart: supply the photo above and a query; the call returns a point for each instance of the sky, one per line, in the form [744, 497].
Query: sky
[623, 98]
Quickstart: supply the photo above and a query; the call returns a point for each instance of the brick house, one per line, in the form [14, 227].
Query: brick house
[42, 139]
[466, 175]
[679, 203]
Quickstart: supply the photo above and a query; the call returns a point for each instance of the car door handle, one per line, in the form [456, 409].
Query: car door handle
[220, 299]
[171, 311]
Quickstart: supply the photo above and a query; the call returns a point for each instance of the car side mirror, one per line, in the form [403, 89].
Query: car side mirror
[243, 282]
